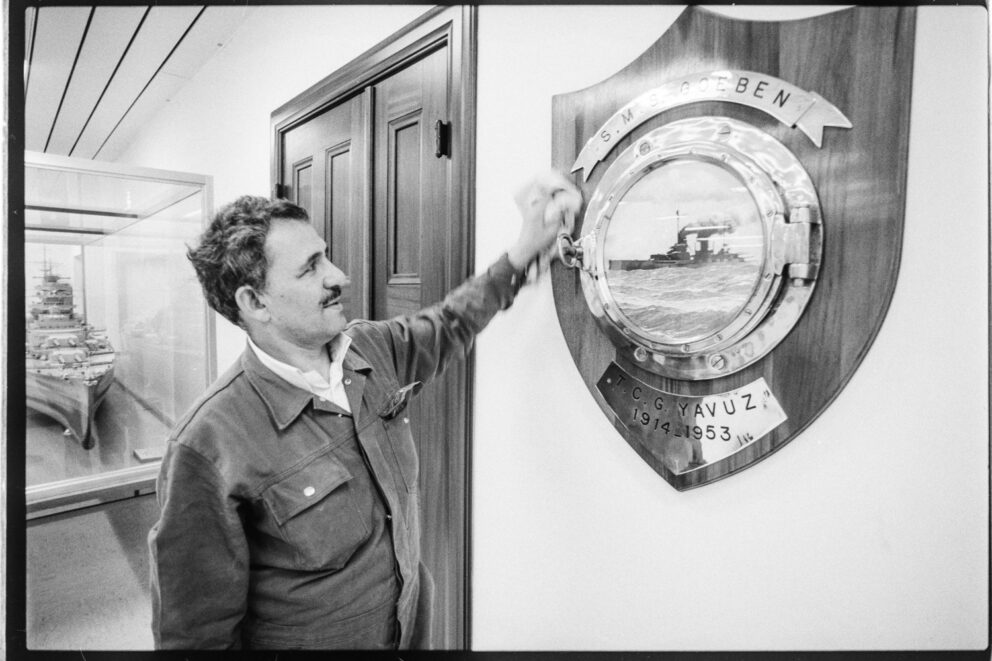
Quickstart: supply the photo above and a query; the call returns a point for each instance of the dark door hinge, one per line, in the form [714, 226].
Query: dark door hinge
[442, 139]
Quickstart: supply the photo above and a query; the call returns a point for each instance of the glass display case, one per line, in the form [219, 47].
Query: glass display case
[118, 339]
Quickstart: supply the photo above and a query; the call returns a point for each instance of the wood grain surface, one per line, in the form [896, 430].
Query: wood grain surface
[858, 59]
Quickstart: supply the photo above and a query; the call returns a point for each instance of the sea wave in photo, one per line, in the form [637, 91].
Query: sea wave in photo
[683, 302]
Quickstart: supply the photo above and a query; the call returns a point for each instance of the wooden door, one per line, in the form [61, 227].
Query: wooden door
[412, 235]
[360, 151]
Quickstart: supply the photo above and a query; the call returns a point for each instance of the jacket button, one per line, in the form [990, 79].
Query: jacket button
[347, 382]
[309, 491]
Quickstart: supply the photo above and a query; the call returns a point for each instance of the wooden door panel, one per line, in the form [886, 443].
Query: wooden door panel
[303, 183]
[404, 220]
[338, 198]
[401, 246]
[398, 194]
[325, 173]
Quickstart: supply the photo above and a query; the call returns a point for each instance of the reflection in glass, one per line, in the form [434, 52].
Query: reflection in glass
[64, 199]
[684, 250]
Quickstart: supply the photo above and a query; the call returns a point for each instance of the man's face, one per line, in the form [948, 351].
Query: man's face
[302, 287]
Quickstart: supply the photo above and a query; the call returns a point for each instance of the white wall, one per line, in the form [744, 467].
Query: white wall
[868, 530]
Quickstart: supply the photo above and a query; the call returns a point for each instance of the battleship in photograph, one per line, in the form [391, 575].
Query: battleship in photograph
[679, 255]
[70, 365]
[683, 293]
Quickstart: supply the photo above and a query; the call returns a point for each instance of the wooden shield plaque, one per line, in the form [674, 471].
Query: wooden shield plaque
[740, 242]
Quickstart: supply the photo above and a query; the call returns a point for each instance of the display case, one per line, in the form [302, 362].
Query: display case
[118, 339]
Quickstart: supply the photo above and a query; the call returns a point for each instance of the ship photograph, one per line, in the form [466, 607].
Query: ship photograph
[682, 268]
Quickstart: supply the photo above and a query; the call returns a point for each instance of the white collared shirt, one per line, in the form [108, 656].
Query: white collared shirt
[330, 388]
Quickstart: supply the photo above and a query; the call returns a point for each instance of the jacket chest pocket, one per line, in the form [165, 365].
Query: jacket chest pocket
[318, 514]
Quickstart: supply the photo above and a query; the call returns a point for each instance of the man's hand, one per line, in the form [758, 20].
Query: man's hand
[547, 204]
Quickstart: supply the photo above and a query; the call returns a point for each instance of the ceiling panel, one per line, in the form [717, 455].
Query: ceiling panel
[93, 80]
[211, 32]
[57, 37]
[155, 96]
[208, 36]
[108, 37]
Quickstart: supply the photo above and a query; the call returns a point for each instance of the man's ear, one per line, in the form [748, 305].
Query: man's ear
[250, 304]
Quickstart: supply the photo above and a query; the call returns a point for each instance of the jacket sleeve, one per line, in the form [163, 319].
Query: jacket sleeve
[199, 557]
[423, 344]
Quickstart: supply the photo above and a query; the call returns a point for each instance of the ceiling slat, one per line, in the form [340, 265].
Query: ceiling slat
[210, 34]
[30, 26]
[109, 34]
[72, 72]
[151, 80]
[59, 31]
[110, 79]
[159, 35]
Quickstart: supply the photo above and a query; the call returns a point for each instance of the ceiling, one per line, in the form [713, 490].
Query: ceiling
[95, 75]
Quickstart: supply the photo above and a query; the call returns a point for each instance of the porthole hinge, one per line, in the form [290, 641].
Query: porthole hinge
[794, 251]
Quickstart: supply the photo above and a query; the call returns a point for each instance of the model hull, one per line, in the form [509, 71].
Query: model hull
[72, 401]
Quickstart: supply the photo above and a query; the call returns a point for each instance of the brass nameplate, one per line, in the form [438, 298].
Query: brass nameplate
[685, 432]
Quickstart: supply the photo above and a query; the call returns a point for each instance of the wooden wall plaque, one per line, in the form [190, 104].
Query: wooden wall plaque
[745, 189]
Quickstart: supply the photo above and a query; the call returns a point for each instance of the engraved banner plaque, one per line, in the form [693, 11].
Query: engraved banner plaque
[744, 187]
[787, 103]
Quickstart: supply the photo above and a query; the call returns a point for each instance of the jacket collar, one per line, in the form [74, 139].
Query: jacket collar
[354, 362]
[283, 400]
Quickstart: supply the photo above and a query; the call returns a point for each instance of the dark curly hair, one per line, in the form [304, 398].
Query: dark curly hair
[231, 252]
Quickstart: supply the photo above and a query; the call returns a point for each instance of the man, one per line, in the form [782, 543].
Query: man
[288, 493]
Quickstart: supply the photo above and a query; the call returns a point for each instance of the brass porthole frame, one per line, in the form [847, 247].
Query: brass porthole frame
[789, 213]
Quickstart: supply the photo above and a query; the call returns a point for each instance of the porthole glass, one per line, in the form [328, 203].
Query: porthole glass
[684, 250]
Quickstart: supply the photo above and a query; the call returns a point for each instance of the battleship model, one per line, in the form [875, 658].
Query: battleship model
[679, 255]
[70, 365]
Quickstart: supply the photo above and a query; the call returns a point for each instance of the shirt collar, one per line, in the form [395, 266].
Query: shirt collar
[285, 399]
[311, 381]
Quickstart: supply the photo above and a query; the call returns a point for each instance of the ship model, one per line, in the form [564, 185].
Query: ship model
[69, 364]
